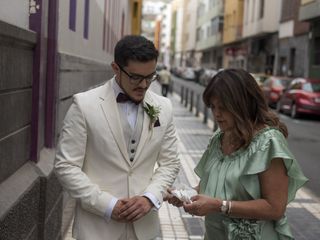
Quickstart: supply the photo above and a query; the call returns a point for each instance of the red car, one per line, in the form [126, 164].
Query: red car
[301, 97]
[273, 88]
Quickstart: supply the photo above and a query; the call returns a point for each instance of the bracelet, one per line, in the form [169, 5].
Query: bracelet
[229, 207]
[224, 208]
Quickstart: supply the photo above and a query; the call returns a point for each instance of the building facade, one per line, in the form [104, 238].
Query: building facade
[278, 37]
[177, 27]
[150, 12]
[234, 48]
[310, 11]
[165, 35]
[293, 56]
[209, 33]
[260, 28]
[189, 34]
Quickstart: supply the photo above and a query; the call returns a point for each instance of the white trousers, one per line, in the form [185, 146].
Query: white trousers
[130, 234]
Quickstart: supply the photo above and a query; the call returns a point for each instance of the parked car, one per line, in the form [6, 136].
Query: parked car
[188, 74]
[260, 78]
[206, 75]
[273, 88]
[301, 97]
[176, 71]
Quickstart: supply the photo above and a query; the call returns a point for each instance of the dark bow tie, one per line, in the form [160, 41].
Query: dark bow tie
[122, 98]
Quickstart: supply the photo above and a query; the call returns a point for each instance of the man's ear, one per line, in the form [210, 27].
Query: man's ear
[115, 68]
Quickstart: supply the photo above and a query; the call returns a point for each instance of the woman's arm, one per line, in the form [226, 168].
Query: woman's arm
[271, 206]
[274, 184]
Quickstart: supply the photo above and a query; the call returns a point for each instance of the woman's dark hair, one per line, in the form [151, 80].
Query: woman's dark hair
[135, 48]
[242, 97]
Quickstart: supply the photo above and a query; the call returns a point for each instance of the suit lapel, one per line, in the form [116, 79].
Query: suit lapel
[111, 112]
[145, 134]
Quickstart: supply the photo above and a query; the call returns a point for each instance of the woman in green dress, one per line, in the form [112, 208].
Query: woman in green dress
[247, 174]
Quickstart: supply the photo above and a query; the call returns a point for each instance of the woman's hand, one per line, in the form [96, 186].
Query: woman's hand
[172, 199]
[202, 205]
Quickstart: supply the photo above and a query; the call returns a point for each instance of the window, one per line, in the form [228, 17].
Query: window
[292, 60]
[246, 12]
[311, 87]
[206, 57]
[135, 9]
[211, 3]
[316, 46]
[296, 85]
[216, 25]
[262, 9]
[253, 10]
[201, 9]
[221, 24]
[198, 34]
[86, 20]
[72, 14]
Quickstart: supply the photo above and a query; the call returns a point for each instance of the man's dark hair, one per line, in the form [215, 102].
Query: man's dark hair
[135, 48]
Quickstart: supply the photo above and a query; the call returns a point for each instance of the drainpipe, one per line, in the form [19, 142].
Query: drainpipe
[35, 24]
[51, 86]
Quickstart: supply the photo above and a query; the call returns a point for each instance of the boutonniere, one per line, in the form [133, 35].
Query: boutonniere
[153, 113]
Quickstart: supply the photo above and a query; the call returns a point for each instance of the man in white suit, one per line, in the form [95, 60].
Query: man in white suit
[117, 152]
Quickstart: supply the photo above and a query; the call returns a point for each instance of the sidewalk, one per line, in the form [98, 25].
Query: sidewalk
[303, 212]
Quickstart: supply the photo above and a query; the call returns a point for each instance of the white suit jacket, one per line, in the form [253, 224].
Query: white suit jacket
[93, 165]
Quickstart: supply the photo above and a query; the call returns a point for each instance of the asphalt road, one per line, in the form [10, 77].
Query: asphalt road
[304, 142]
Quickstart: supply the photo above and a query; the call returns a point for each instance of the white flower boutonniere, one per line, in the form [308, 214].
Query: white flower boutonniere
[153, 113]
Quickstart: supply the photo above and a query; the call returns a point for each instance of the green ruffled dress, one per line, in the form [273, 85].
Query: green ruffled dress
[235, 177]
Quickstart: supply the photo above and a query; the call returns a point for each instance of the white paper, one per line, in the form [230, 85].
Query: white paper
[184, 193]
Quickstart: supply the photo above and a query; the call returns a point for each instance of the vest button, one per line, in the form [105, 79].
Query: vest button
[131, 159]
[133, 141]
[132, 150]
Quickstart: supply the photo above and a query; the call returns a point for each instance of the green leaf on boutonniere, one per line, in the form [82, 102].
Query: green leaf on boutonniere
[153, 113]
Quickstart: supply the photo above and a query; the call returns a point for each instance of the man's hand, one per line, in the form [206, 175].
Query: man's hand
[116, 210]
[135, 208]
[172, 199]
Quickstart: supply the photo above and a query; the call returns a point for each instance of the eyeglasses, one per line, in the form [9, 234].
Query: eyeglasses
[137, 79]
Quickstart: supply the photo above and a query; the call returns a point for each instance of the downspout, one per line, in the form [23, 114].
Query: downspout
[35, 24]
[51, 86]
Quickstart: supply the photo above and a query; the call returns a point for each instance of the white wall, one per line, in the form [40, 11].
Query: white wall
[150, 7]
[286, 29]
[166, 34]
[167, 18]
[253, 24]
[73, 42]
[179, 29]
[204, 23]
[272, 15]
[191, 27]
[15, 12]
